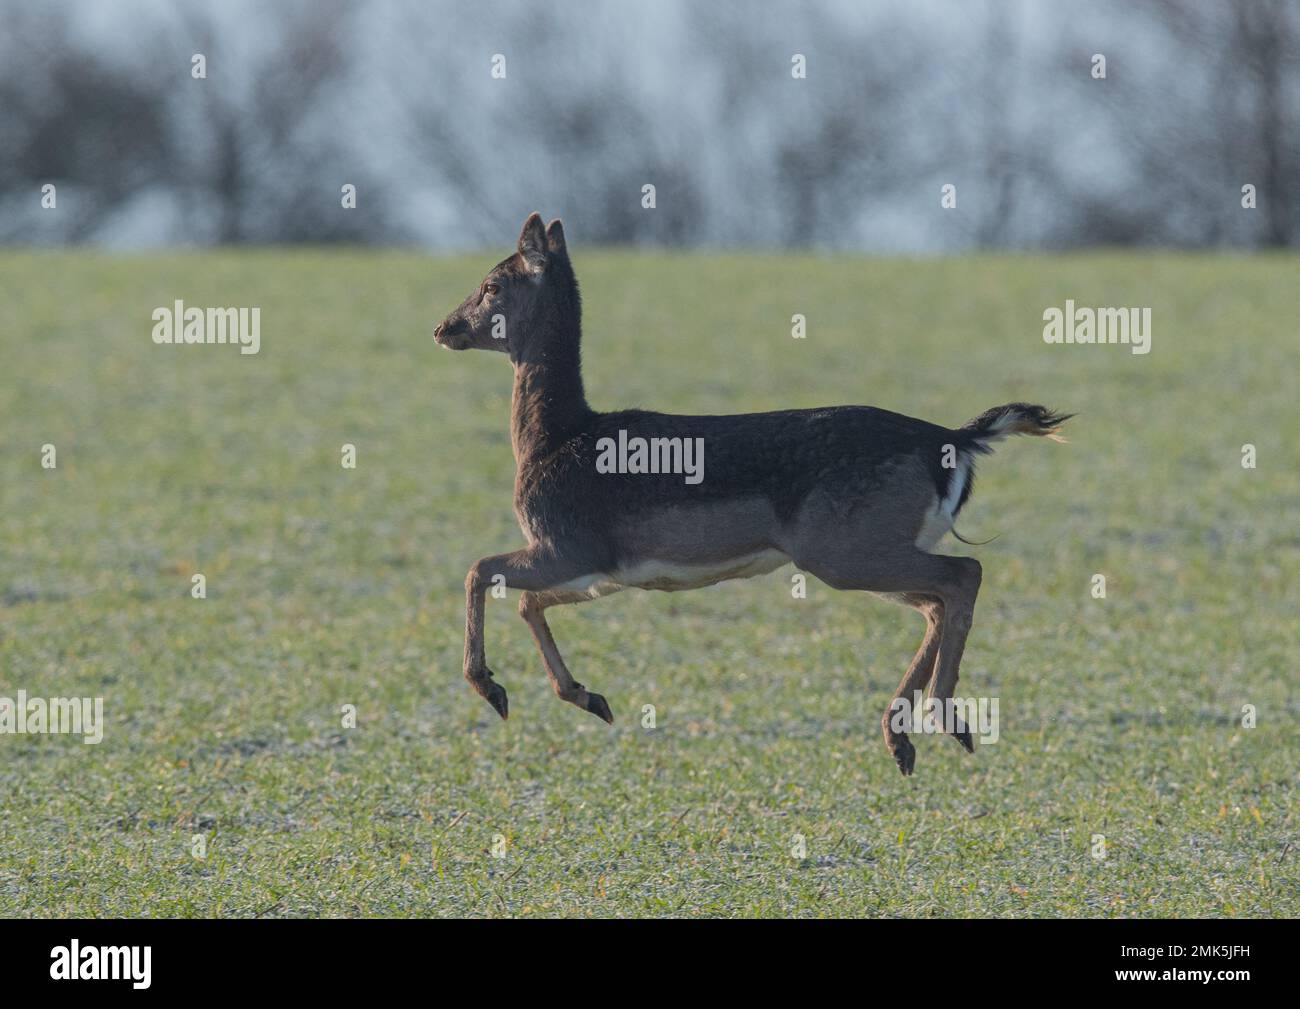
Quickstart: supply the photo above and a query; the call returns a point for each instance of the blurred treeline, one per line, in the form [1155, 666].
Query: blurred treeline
[397, 98]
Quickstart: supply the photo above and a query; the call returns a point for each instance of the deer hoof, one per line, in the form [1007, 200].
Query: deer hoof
[904, 754]
[495, 695]
[962, 735]
[599, 707]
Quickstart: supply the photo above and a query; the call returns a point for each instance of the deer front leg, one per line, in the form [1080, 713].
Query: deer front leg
[529, 569]
[531, 607]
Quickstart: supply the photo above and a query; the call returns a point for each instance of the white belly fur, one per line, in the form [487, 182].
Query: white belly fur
[670, 576]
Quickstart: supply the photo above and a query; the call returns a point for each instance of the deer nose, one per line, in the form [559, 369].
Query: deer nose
[437, 330]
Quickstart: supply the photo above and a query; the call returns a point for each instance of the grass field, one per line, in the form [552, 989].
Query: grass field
[326, 586]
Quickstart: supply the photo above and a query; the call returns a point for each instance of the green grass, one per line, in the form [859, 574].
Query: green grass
[329, 586]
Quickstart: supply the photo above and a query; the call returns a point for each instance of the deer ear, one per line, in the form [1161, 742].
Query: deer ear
[532, 243]
[555, 237]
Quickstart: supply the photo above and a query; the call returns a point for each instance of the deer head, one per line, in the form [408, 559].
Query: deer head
[521, 300]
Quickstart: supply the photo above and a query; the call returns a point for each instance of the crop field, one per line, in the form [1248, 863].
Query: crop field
[1149, 740]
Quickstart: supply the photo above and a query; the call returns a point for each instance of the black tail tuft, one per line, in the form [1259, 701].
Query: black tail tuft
[1013, 418]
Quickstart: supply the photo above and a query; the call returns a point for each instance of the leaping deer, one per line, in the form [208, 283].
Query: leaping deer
[854, 495]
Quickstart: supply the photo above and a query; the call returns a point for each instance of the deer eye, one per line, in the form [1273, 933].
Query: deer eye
[490, 289]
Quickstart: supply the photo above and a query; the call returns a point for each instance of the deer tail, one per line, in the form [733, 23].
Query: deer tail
[1014, 418]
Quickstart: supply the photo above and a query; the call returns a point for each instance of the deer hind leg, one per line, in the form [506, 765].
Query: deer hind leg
[918, 577]
[959, 611]
[531, 607]
[915, 679]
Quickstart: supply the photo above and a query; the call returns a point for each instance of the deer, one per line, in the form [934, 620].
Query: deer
[856, 496]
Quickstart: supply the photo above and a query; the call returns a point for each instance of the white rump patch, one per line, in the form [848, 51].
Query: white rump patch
[956, 484]
[938, 520]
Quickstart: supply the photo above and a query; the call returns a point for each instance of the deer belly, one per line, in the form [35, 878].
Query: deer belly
[675, 576]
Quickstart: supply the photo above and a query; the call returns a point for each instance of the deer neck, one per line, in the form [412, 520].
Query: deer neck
[549, 403]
